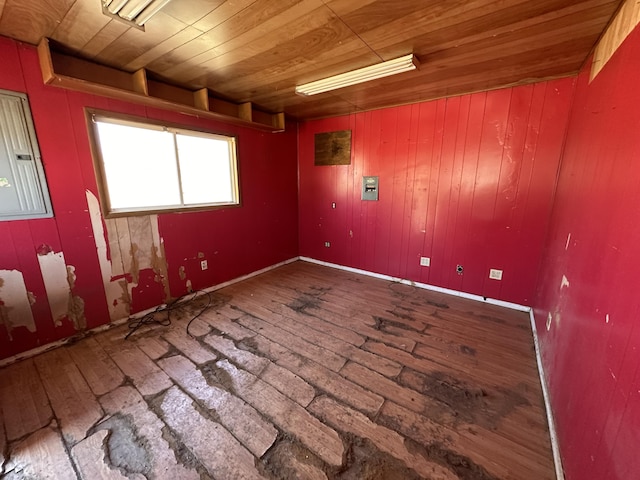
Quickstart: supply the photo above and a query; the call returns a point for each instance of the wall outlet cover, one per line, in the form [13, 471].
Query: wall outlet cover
[425, 261]
[495, 274]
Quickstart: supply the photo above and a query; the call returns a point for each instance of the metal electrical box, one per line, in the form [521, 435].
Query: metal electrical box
[23, 188]
[369, 188]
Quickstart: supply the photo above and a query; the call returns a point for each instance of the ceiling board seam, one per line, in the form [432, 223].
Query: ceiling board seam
[232, 16]
[81, 49]
[205, 15]
[59, 22]
[353, 31]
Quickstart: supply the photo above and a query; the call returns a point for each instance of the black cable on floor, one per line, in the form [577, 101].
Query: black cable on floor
[179, 303]
[200, 312]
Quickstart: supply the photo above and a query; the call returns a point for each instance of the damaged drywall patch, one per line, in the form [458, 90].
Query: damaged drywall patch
[147, 251]
[134, 245]
[183, 276]
[160, 268]
[113, 290]
[54, 274]
[159, 258]
[75, 304]
[15, 304]
[564, 283]
[134, 268]
[59, 282]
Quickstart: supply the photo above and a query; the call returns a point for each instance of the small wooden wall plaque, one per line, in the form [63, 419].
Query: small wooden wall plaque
[333, 148]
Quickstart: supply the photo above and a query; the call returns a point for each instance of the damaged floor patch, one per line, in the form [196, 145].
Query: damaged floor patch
[124, 448]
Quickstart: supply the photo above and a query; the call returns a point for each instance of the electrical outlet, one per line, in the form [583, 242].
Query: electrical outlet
[459, 269]
[203, 264]
[495, 274]
[333, 204]
[425, 261]
[327, 244]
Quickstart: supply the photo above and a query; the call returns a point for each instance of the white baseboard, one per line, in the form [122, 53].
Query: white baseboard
[555, 446]
[545, 393]
[426, 286]
[115, 323]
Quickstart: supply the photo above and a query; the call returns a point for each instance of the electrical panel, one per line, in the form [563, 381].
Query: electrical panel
[23, 190]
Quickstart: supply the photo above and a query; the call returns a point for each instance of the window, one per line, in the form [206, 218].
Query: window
[23, 186]
[144, 167]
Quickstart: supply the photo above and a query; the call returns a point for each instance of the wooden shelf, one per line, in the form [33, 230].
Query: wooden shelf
[66, 71]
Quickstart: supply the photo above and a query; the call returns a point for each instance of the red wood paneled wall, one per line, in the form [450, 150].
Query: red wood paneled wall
[235, 241]
[465, 181]
[591, 352]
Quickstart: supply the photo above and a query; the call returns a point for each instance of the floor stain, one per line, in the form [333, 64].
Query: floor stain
[472, 404]
[464, 467]
[304, 303]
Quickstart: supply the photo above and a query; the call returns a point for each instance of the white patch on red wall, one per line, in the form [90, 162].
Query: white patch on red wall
[114, 290]
[15, 302]
[54, 274]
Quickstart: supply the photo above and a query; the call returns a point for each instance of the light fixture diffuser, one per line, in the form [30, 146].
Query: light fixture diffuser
[366, 74]
[136, 12]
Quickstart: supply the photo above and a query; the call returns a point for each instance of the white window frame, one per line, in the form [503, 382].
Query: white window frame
[39, 180]
[94, 116]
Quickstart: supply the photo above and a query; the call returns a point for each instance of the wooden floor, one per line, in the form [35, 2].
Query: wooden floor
[303, 372]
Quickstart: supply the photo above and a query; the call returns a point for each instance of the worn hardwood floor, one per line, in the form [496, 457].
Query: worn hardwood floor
[303, 372]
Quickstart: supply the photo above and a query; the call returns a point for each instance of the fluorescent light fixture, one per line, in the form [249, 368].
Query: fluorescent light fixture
[366, 74]
[137, 12]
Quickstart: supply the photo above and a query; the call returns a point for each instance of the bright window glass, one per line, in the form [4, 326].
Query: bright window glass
[205, 169]
[145, 167]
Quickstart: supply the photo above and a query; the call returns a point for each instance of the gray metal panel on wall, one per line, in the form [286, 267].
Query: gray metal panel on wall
[23, 192]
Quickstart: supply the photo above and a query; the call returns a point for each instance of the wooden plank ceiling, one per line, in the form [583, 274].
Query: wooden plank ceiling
[258, 50]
